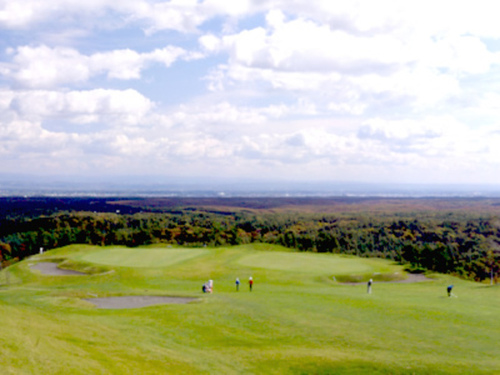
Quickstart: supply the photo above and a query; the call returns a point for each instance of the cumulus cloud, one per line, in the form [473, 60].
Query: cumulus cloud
[14, 14]
[45, 67]
[356, 16]
[301, 43]
[29, 13]
[127, 106]
[316, 88]
[180, 15]
[37, 149]
[432, 136]
[342, 63]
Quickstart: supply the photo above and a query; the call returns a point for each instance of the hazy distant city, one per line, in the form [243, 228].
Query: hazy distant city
[207, 187]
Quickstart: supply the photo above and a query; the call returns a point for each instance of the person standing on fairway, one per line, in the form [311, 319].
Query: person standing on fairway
[250, 283]
[237, 284]
[448, 289]
[369, 287]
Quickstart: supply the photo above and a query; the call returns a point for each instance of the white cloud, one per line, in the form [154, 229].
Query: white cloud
[137, 146]
[120, 64]
[36, 148]
[44, 67]
[355, 90]
[305, 55]
[127, 106]
[29, 13]
[128, 64]
[15, 14]
[210, 43]
[430, 137]
[187, 15]
[180, 15]
[490, 102]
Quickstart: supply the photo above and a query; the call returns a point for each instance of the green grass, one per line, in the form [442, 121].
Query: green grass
[344, 268]
[141, 258]
[297, 320]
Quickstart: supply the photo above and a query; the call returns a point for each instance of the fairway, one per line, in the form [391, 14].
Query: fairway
[315, 263]
[135, 257]
[294, 321]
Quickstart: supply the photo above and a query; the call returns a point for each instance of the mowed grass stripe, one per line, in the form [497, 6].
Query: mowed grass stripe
[124, 257]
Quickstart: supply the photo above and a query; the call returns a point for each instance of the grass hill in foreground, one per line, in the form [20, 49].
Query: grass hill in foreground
[296, 320]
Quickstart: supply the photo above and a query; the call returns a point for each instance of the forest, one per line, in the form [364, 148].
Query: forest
[455, 236]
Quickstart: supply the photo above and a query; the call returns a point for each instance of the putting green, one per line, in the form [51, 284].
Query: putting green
[314, 263]
[123, 257]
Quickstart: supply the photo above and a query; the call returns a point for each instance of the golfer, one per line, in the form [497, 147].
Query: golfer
[237, 284]
[448, 289]
[369, 286]
[250, 283]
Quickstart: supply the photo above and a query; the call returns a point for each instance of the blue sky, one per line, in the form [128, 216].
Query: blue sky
[373, 91]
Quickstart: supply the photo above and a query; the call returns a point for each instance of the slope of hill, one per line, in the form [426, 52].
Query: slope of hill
[297, 319]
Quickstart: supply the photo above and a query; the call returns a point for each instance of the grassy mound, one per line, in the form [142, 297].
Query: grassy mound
[147, 257]
[342, 268]
[296, 320]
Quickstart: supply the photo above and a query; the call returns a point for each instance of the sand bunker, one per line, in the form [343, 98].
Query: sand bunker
[50, 268]
[133, 302]
[412, 278]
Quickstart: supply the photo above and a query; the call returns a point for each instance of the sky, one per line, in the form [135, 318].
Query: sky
[371, 91]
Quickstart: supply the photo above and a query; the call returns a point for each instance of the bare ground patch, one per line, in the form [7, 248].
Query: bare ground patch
[134, 302]
[412, 278]
[51, 268]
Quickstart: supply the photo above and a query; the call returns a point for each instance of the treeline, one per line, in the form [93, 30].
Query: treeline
[465, 247]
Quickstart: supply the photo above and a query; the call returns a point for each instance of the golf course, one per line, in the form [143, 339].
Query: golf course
[308, 313]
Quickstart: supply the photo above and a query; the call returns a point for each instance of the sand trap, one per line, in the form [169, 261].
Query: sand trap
[50, 268]
[134, 302]
[412, 278]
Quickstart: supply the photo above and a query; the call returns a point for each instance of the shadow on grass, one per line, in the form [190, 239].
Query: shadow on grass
[358, 367]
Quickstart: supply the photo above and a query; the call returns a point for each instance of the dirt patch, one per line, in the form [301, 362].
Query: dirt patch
[134, 302]
[50, 268]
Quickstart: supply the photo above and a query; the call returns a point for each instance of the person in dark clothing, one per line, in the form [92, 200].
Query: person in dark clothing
[448, 289]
